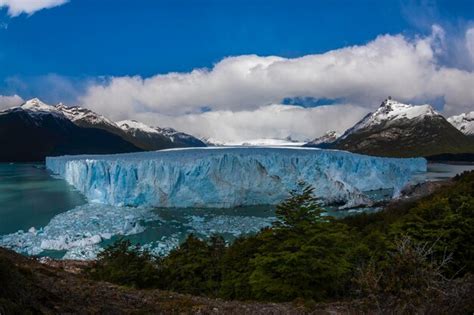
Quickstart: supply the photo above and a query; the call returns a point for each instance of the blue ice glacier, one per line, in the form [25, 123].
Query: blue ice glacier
[231, 176]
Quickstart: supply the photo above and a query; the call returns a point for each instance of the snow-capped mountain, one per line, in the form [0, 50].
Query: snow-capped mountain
[34, 130]
[392, 112]
[464, 123]
[323, 141]
[397, 129]
[180, 138]
[155, 138]
[86, 118]
[36, 109]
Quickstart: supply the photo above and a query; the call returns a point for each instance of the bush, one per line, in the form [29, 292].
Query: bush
[126, 264]
[411, 281]
[195, 266]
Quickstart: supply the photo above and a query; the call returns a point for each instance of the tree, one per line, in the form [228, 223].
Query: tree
[299, 210]
[127, 264]
[195, 266]
[304, 255]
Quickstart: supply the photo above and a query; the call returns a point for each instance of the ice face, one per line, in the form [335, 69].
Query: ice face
[230, 177]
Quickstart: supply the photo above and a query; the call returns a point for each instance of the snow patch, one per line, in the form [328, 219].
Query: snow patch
[463, 122]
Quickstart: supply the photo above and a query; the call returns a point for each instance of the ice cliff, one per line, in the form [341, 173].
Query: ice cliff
[228, 177]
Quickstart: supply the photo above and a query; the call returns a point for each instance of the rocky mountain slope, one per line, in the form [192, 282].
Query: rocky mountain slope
[154, 138]
[139, 134]
[401, 130]
[464, 123]
[324, 141]
[35, 130]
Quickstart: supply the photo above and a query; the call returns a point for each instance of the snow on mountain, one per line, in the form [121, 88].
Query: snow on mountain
[264, 142]
[328, 138]
[464, 123]
[35, 108]
[174, 135]
[400, 130]
[176, 138]
[131, 125]
[207, 177]
[391, 111]
[84, 116]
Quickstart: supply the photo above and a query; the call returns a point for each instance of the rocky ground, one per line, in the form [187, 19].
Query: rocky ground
[59, 287]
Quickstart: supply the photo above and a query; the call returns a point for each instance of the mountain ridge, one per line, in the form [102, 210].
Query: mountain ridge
[402, 130]
[35, 130]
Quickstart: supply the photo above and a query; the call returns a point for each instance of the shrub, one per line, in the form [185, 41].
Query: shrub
[126, 264]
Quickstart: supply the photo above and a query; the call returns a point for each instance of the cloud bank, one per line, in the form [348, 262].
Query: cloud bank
[17, 7]
[235, 99]
[10, 101]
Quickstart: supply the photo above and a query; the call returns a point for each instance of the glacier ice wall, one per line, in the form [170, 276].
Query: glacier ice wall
[229, 177]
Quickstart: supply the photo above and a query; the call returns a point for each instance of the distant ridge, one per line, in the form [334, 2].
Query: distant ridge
[401, 130]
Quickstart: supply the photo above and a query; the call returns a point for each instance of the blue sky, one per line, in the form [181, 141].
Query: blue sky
[58, 53]
[122, 37]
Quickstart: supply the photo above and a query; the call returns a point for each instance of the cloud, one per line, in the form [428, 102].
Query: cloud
[239, 89]
[10, 101]
[470, 43]
[270, 121]
[17, 7]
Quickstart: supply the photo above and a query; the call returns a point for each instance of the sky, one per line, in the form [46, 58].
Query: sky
[237, 70]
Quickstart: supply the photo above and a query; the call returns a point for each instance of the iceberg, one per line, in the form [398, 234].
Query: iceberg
[231, 176]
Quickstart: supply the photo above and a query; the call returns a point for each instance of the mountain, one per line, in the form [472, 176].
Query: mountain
[86, 118]
[34, 130]
[324, 141]
[464, 123]
[155, 138]
[401, 130]
[145, 137]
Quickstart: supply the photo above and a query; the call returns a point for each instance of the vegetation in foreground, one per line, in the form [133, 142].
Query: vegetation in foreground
[415, 257]
[410, 258]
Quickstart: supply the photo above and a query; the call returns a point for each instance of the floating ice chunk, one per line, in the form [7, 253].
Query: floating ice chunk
[230, 177]
[83, 253]
[226, 224]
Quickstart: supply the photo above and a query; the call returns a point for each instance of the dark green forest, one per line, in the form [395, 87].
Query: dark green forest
[411, 257]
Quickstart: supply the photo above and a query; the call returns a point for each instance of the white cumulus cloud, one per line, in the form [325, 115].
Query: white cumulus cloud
[17, 7]
[271, 121]
[10, 101]
[237, 92]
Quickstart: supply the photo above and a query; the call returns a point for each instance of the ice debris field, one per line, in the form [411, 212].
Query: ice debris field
[231, 177]
[82, 232]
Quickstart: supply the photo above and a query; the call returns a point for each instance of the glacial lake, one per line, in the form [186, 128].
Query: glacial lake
[31, 197]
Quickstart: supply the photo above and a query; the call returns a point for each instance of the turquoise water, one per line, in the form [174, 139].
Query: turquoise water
[31, 197]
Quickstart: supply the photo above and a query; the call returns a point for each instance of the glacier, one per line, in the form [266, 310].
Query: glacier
[231, 176]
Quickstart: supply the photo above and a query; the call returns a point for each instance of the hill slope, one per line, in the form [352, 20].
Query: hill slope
[402, 130]
[36, 130]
